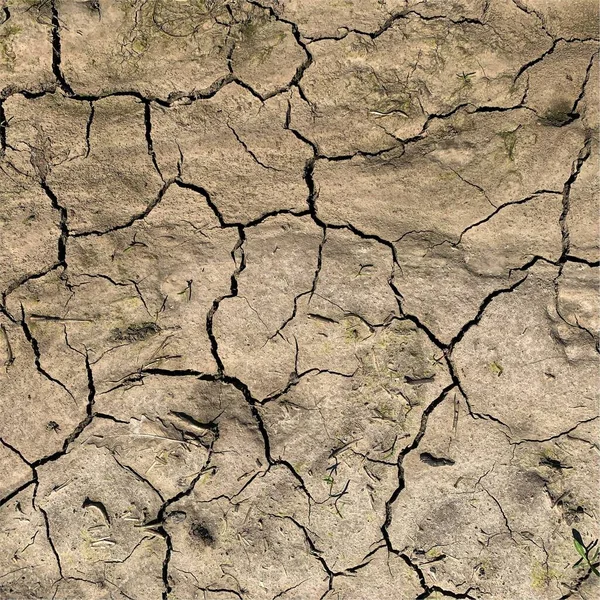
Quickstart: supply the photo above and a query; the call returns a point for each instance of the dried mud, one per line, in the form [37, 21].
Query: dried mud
[299, 299]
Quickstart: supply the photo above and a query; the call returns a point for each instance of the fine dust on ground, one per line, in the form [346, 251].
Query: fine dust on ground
[299, 299]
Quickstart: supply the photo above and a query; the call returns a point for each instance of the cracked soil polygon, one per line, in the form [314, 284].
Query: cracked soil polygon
[299, 299]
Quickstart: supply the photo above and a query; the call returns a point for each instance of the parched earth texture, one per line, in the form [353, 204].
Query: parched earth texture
[299, 299]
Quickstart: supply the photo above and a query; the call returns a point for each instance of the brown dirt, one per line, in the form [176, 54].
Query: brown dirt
[299, 299]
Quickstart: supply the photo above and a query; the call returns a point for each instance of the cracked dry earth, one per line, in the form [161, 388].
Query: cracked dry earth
[299, 299]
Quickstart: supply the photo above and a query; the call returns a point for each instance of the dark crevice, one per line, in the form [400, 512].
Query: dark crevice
[420, 325]
[218, 590]
[17, 491]
[435, 461]
[204, 193]
[577, 586]
[26, 278]
[313, 195]
[402, 455]
[584, 154]
[250, 89]
[500, 208]
[249, 151]
[15, 450]
[254, 404]
[173, 98]
[473, 414]
[138, 476]
[47, 527]
[3, 127]
[88, 130]
[64, 227]
[482, 308]
[91, 387]
[314, 551]
[358, 153]
[235, 225]
[214, 346]
[364, 563]
[37, 355]
[531, 263]
[132, 220]
[106, 416]
[581, 261]
[179, 373]
[428, 590]
[309, 292]
[6, 14]
[535, 13]
[586, 79]
[436, 589]
[550, 50]
[274, 213]
[80, 427]
[564, 319]
[556, 436]
[573, 114]
[497, 503]
[149, 142]
[306, 63]
[312, 210]
[391, 21]
[296, 378]
[56, 51]
[165, 566]
[287, 126]
[536, 60]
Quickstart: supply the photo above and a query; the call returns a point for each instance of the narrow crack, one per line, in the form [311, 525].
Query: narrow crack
[393, 19]
[167, 587]
[88, 129]
[16, 491]
[83, 424]
[573, 113]
[6, 14]
[531, 11]
[57, 50]
[214, 345]
[47, 527]
[502, 207]
[249, 151]
[64, 227]
[477, 318]
[138, 217]
[548, 52]
[306, 63]
[314, 551]
[556, 436]
[22, 281]
[402, 455]
[308, 293]
[3, 127]
[584, 154]
[149, 141]
[581, 261]
[577, 586]
[37, 355]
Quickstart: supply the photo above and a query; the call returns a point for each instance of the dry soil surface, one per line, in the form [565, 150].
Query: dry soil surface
[299, 299]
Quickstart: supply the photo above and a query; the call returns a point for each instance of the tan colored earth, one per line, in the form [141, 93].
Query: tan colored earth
[299, 299]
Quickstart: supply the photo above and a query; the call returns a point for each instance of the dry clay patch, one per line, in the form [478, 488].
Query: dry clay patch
[299, 299]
